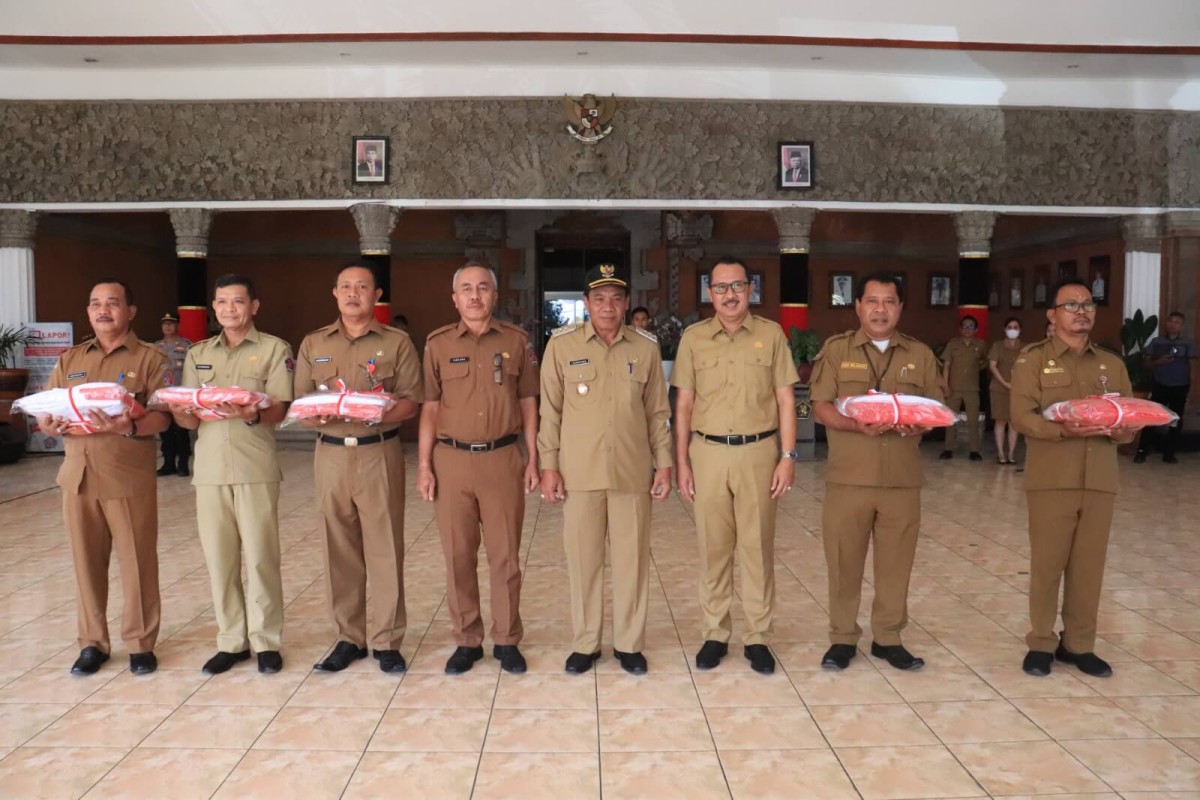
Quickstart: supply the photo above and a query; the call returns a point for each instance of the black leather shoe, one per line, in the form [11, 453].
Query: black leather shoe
[974, 456]
[223, 662]
[165, 470]
[897, 656]
[1170, 460]
[89, 662]
[462, 659]
[269, 662]
[391, 661]
[710, 654]
[142, 663]
[183, 471]
[760, 658]
[510, 658]
[1139, 457]
[946, 455]
[1038, 663]
[838, 656]
[633, 663]
[579, 663]
[1088, 663]
[344, 654]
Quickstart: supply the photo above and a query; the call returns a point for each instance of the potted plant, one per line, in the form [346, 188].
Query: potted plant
[669, 330]
[1135, 335]
[805, 346]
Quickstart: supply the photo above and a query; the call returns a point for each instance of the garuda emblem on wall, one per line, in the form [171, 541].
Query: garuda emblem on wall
[587, 118]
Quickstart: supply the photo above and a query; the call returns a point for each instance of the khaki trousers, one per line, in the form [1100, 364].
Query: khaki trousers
[235, 519]
[481, 491]
[95, 527]
[623, 519]
[1068, 537]
[852, 518]
[735, 513]
[361, 495]
[969, 401]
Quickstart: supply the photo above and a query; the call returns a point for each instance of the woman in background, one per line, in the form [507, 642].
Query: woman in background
[1001, 358]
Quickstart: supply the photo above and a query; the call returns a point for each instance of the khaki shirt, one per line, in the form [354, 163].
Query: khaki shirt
[328, 353]
[108, 466]
[604, 410]
[849, 364]
[1005, 357]
[230, 451]
[734, 376]
[479, 402]
[965, 359]
[1046, 373]
[175, 352]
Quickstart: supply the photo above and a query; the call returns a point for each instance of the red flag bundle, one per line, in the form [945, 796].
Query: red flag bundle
[875, 408]
[1111, 411]
[368, 407]
[73, 403]
[202, 400]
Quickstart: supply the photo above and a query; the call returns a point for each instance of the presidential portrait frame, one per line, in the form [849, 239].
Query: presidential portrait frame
[359, 172]
[783, 157]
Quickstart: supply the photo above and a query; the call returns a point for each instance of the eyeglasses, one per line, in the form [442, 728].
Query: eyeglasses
[498, 369]
[1073, 306]
[739, 287]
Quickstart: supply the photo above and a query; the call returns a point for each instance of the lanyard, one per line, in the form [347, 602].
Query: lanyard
[877, 377]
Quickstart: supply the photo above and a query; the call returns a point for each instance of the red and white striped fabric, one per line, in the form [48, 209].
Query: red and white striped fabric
[368, 407]
[876, 408]
[73, 403]
[204, 398]
[1111, 411]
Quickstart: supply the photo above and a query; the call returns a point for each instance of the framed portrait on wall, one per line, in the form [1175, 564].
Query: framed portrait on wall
[1041, 286]
[795, 165]
[941, 290]
[756, 289]
[1016, 289]
[1099, 275]
[1066, 269]
[369, 159]
[994, 290]
[841, 289]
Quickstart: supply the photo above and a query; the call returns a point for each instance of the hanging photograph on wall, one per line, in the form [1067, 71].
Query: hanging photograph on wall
[1098, 278]
[941, 290]
[1041, 285]
[1066, 269]
[994, 291]
[369, 158]
[795, 165]
[841, 289]
[1016, 290]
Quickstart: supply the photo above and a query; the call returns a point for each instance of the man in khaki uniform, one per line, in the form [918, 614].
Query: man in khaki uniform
[962, 360]
[237, 477]
[873, 481]
[1070, 480]
[605, 447]
[359, 471]
[176, 442]
[110, 498]
[735, 440]
[481, 386]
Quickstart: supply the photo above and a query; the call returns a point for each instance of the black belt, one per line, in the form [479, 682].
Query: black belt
[358, 441]
[748, 438]
[481, 447]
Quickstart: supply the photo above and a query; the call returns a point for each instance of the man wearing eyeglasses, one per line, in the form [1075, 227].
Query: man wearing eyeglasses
[481, 387]
[735, 440]
[1070, 481]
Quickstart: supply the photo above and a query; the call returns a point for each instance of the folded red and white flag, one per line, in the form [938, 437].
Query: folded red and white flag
[368, 407]
[1111, 411]
[73, 403]
[203, 399]
[875, 408]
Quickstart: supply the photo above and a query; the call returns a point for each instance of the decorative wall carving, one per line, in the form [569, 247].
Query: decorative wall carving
[191, 231]
[795, 225]
[375, 222]
[686, 233]
[974, 230]
[1143, 232]
[663, 149]
[17, 228]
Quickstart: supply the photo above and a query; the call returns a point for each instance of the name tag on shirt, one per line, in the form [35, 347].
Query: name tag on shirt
[853, 365]
[204, 366]
[578, 362]
[1053, 370]
[460, 359]
[75, 375]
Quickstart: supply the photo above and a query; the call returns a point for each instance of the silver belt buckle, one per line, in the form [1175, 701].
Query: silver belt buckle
[350, 441]
[477, 447]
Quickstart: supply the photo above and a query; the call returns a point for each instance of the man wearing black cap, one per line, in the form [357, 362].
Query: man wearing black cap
[176, 444]
[603, 435]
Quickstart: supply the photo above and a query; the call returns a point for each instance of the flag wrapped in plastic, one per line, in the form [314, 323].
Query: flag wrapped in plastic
[74, 403]
[1111, 411]
[341, 403]
[203, 399]
[876, 408]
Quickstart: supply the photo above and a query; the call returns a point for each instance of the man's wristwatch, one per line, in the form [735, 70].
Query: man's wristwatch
[132, 429]
[791, 455]
[250, 423]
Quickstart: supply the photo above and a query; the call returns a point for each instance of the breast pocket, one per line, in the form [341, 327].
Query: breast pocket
[455, 384]
[1056, 386]
[253, 378]
[580, 384]
[852, 381]
[709, 376]
[323, 375]
[911, 381]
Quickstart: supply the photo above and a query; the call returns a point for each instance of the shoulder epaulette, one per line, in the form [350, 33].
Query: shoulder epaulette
[644, 333]
[390, 329]
[839, 336]
[697, 322]
[212, 339]
[512, 326]
[1107, 349]
[563, 329]
[441, 330]
[1029, 347]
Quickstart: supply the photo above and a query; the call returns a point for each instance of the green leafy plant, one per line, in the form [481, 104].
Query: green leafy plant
[669, 330]
[804, 344]
[12, 338]
[1135, 335]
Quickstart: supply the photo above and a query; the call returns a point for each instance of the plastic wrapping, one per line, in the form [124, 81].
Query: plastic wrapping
[72, 404]
[874, 408]
[1111, 411]
[366, 407]
[204, 398]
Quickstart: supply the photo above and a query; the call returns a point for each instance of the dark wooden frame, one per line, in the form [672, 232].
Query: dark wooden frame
[1014, 276]
[833, 276]
[780, 169]
[1041, 275]
[1103, 264]
[387, 152]
[929, 290]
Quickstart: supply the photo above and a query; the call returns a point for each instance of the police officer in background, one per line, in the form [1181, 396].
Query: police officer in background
[176, 441]
[237, 477]
[481, 386]
[605, 449]
[1170, 358]
[359, 471]
[1070, 481]
[962, 360]
[873, 482]
[735, 440]
[110, 498]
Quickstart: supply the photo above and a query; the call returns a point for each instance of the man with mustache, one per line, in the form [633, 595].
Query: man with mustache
[359, 471]
[108, 481]
[873, 482]
[962, 360]
[735, 440]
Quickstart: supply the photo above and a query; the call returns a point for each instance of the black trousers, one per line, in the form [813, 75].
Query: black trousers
[176, 447]
[1166, 436]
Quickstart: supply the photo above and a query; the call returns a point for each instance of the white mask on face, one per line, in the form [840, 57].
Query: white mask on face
[1010, 333]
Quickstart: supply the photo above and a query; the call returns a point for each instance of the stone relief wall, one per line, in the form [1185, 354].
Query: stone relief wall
[484, 148]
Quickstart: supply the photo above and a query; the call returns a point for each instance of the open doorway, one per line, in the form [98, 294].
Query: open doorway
[563, 263]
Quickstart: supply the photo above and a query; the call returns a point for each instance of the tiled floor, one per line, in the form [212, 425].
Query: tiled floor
[971, 725]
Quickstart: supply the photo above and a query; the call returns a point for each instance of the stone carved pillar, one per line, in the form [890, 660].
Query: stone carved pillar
[795, 226]
[375, 222]
[191, 268]
[974, 229]
[1143, 263]
[686, 233]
